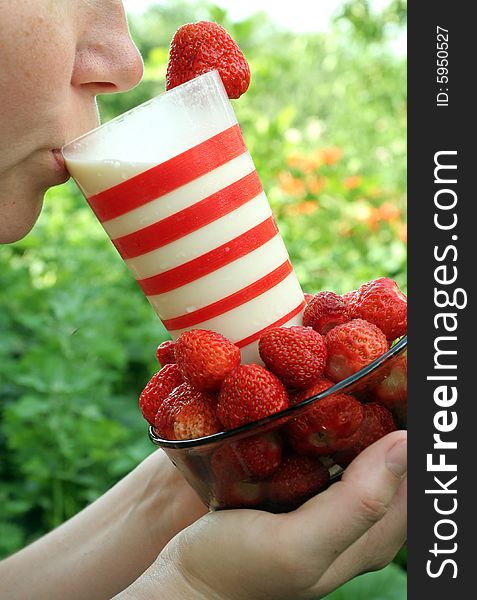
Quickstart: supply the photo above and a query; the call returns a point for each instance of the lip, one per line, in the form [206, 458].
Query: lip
[60, 166]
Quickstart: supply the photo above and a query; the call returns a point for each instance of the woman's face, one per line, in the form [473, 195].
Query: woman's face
[55, 57]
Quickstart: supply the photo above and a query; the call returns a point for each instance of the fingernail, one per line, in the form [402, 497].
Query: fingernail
[396, 458]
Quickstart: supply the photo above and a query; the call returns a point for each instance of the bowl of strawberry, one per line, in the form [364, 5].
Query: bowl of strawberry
[272, 435]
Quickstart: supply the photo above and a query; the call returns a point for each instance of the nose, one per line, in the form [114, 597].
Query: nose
[106, 59]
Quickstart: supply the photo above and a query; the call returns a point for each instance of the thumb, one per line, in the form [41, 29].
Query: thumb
[329, 523]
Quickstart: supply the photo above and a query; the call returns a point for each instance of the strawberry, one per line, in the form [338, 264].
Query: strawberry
[377, 422]
[351, 346]
[186, 414]
[156, 391]
[391, 392]
[325, 311]
[204, 358]
[165, 353]
[236, 494]
[296, 355]
[249, 393]
[322, 429]
[348, 296]
[381, 302]
[197, 48]
[297, 479]
[319, 386]
[254, 457]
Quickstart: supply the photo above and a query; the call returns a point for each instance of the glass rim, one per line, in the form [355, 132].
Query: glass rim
[394, 351]
[214, 73]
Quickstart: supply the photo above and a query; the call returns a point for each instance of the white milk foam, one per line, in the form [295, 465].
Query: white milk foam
[180, 119]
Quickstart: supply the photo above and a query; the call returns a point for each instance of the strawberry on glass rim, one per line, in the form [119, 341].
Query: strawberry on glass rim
[197, 48]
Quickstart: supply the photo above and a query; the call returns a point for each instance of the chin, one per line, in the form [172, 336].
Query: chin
[18, 220]
[10, 237]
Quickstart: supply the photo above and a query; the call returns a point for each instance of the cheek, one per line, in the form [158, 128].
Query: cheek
[36, 55]
[37, 48]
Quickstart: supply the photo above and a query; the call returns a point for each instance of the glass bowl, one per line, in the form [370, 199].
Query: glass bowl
[227, 469]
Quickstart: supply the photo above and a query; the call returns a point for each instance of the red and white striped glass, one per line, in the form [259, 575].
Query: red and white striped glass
[176, 190]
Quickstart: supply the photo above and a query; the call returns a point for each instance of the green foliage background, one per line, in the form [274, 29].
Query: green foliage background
[324, 119]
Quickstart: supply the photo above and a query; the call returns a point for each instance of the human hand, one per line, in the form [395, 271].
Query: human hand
[168, 502]
[111, 542]
[357, 525]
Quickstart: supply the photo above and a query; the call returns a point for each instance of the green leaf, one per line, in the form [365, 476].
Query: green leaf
[11, 537]
[77, 336]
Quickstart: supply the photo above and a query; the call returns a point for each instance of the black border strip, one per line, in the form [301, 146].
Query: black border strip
[440, 568]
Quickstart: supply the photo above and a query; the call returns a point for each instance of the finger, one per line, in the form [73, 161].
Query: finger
[325, 526]
[375, 548]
